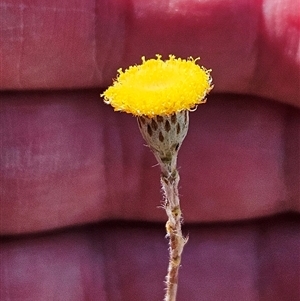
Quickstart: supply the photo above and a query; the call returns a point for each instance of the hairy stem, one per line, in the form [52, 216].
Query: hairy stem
[170, 180]
[164, 135]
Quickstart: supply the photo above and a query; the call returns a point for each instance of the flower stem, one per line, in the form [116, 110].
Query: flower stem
[169, 181]
[164, 135]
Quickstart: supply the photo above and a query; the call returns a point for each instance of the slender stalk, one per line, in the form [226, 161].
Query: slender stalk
[169, 181]
[164, 135]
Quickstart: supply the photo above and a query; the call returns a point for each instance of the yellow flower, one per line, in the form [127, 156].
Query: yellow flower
[158, 87]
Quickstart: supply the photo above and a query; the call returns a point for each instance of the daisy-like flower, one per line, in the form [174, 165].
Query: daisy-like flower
[161, 94]
[158, 87]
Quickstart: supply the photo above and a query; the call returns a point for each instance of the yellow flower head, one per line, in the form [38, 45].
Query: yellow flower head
[158, 87]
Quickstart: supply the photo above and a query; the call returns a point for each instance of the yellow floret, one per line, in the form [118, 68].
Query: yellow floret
[158, 87]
